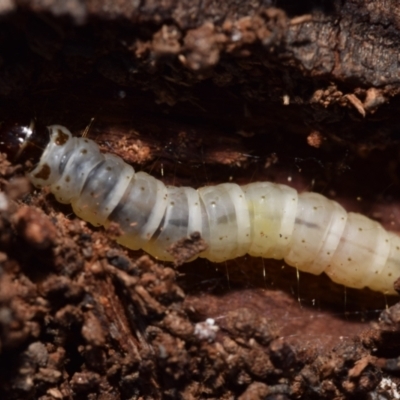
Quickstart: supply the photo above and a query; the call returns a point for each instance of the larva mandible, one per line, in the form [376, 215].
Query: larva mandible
[263, 219]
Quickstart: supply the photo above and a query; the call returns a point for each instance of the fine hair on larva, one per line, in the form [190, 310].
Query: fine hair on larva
[309, 231]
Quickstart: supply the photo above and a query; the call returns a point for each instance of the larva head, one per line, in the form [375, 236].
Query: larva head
[54, 158]
[22, 142]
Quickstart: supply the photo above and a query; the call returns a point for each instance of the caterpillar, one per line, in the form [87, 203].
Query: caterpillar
[309, 231]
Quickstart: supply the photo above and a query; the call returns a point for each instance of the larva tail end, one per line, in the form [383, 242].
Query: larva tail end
[22, 142]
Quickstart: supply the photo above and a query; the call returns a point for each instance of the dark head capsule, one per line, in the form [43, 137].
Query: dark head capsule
[22, 142]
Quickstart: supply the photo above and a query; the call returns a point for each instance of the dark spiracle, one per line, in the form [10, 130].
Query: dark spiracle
[22, 142]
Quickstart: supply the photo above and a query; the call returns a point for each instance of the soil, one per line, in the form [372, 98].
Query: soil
[198, 93]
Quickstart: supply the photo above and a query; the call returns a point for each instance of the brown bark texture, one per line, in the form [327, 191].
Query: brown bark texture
[198, 93]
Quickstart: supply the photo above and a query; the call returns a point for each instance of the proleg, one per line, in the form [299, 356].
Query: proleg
[263, 219]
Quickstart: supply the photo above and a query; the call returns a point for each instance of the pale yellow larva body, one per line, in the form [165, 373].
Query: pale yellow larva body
[263, 219]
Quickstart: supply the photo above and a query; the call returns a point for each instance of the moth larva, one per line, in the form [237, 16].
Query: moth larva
[263, 219]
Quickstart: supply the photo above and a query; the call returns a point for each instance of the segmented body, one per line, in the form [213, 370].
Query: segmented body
[307, 230]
